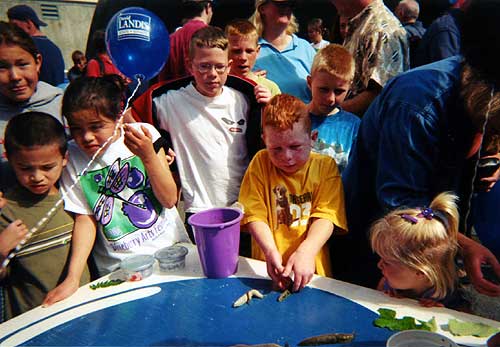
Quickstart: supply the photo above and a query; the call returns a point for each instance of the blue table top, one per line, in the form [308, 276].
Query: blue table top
[186, 309]
[199, 312]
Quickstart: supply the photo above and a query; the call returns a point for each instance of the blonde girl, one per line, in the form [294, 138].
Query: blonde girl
[417, 248]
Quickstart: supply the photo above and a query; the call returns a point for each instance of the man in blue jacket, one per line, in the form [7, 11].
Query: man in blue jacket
[422, 136]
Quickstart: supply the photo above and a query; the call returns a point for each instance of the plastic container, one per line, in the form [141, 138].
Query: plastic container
[138, 267]
[217, 235]
[419, 338]
[172, 258]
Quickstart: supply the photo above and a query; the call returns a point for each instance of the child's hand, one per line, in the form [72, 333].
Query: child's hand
[61, 292]
[11, 236]
[275, 269]
[140, 143]
[427, 302]
[486, 184]
[303, 266]
[170, 156]
[262, 94]
[393, 293]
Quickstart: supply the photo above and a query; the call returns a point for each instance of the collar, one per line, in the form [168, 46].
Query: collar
[291, 46]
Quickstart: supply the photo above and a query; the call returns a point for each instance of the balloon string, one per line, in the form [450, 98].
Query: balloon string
[486, 119]
[50, 213]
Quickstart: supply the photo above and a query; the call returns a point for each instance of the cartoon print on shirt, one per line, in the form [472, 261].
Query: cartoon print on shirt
[334, 150]
[122, 191]
[290, 209]
[282, 206]
[235, 129]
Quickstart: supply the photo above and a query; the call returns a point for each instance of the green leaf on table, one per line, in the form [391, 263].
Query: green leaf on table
[387, 313]
[430, 325]
[105, 284]
[387, 319]
[459, 328]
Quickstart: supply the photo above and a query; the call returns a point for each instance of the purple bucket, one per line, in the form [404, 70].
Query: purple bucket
[217, 235]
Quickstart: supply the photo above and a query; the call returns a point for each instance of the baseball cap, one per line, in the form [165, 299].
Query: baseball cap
[23, 13]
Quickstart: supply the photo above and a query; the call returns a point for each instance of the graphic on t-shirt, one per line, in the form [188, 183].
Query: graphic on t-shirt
[121, 198]
[282, 206]
[291, 210]
[334, 150]
[235, 129]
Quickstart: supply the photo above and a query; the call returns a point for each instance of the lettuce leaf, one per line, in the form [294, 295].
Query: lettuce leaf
[387, 319]
[459, 328]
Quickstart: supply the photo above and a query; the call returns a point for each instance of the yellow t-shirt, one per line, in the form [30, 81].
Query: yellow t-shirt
[288, 202]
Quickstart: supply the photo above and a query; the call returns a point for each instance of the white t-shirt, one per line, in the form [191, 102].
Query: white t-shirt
[208, 135]
[116, 191]
[320, 44]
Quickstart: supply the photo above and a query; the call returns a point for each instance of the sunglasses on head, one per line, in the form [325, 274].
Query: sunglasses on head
[283, 3]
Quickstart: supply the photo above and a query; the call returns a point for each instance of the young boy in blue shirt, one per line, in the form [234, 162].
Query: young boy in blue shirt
[334, 130]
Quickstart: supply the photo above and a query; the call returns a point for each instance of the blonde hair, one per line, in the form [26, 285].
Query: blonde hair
[335, 60]
[208, 37]
[283, 111]
[242, 28]
[428, 245]
[256, 20]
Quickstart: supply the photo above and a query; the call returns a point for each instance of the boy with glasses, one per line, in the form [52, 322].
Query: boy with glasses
[207, 122]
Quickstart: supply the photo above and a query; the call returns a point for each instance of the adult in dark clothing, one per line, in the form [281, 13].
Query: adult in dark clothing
[407, 11]
[442, 38]
[422, 136]
[52, 70]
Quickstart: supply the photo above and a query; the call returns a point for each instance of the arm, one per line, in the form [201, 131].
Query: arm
[302, 261]
[474, 255]
[407, 163]
[360, 103]
[375, 72]
[84, 232]
[9, 239]
[156, 164]
[274, 262]
[11, 236]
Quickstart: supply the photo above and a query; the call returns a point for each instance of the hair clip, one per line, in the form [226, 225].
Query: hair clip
[409, 218]
[427, 213]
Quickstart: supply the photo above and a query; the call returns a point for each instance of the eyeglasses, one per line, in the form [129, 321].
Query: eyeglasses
[205, 67]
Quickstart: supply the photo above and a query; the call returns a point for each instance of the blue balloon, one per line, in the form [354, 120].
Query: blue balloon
[137, 42]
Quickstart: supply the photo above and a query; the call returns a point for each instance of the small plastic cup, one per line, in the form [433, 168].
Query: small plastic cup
[172, 258]
[138, 266]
